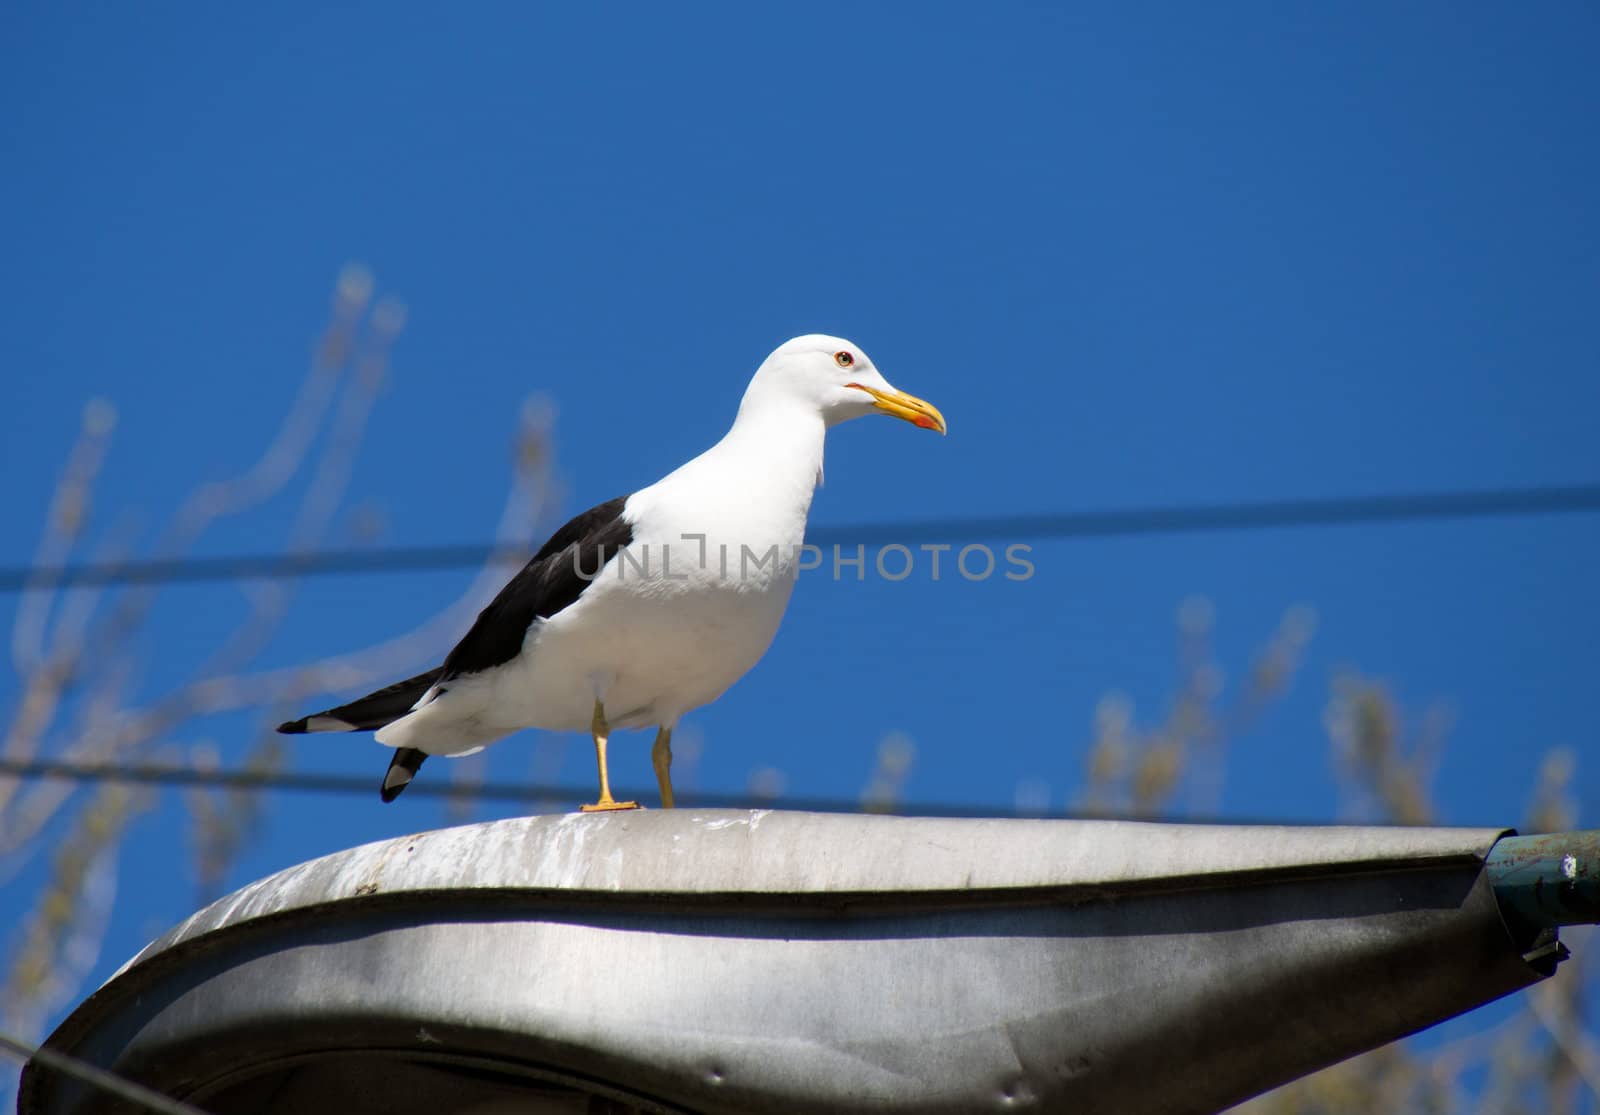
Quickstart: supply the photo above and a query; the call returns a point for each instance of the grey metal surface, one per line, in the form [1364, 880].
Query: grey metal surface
[730, 961]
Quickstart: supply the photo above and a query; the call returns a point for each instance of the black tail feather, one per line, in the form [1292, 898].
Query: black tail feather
[402, 769]
[369, 713]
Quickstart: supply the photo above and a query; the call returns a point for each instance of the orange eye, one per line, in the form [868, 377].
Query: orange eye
[843, 359]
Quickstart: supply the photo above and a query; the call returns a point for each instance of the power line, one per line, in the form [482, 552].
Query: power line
[119, 1086]
[1340, 511]
[523, 792]
[526, 792]
[299, 781]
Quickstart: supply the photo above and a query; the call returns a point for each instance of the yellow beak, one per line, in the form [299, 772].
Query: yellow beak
[914, 410]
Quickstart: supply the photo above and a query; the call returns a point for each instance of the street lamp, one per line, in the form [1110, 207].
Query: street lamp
[749, 961]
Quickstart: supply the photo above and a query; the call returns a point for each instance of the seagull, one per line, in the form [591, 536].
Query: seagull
[650, 605]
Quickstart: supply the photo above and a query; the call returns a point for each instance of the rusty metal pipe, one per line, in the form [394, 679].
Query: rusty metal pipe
[1543, 882]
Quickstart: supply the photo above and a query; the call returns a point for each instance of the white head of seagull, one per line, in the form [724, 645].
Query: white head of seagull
[834, 378]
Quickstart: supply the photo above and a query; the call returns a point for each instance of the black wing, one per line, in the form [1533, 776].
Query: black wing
[551, 581]
[366, 714]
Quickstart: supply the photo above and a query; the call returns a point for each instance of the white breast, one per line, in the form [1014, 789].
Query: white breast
[690, 605]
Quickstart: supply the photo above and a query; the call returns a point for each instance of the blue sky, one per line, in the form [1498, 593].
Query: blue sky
[1146, 254]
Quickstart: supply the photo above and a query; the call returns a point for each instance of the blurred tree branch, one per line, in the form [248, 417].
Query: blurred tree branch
[1141, 771]
[76, 651]
[1542, 1060]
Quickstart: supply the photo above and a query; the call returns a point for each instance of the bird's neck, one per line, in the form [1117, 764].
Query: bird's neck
[776, 450]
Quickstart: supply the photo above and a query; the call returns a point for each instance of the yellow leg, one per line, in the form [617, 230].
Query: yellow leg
[601, 731]
[661, 756]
